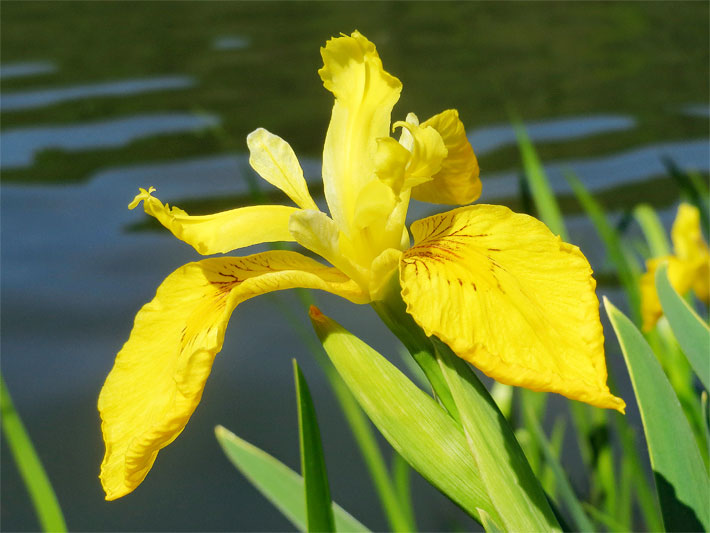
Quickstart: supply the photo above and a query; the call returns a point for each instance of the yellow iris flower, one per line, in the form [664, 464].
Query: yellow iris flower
[498, 287]
[688, 267]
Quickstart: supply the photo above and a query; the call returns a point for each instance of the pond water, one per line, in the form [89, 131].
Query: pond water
[84, 126]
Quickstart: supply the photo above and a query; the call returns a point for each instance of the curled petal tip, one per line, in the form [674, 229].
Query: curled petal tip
[141, 196]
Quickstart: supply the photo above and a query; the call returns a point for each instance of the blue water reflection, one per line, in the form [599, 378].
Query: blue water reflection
[25, 69]
[24, 100]
[21, 145]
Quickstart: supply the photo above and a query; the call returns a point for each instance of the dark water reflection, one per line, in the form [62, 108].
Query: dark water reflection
[73, 277]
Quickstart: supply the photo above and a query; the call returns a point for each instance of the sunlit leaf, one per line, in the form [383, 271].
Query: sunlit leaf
[692, 334]
[280, 485]
[417, 427]
[681, 477]
[506, 474]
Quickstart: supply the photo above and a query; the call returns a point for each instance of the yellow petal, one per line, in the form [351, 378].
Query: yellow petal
[688, 241]
[427, 153]
[364, 97]
[511, 298]
[680, 277]
[275, 161]
[317, 232]
[457, 183]
[221, 232]
[159, 374]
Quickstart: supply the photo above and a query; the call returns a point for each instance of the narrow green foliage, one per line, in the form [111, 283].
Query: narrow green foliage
[319, 508]
[692, 333]
[545, 202]
[627, 270]
[580, 522]
[28, 463]
[506, 474]
[604, 519]
[401, 474]
[283, 487]
[398, 515]
[653, 230]
[681, 478]
[488, 524]
[416, 426]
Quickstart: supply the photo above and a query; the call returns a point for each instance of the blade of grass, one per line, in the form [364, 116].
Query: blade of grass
[283, 487]
[401, 474]
[506, 473]
[319, 507]
[653, 230]
[547, 208]
[691, 333]
[28, 463]
[398, 516]
[604, 519]
[488, 524]
[580, 522]
[628, 272]
[681, 479]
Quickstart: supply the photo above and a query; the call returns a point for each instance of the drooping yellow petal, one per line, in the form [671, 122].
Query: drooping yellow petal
[680, 276]
[275, 161]
[457, 183]
[364, 97]
[221, 232]
[159, 374]
[428, 151]
[511, 298]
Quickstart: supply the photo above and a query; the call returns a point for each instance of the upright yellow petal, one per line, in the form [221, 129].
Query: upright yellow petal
[511, 298]
[275, 161]
[364, 97]
[457, 183]
[160, 373]
[688, 242]
[221, 232]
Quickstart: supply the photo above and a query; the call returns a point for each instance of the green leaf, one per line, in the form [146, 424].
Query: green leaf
[488, 524]
[506, 474]
[283, 487]
[681, 478]
[547, 208]
[567, 495]
[653, 230]
[319, 507]
[627, 270]
[692, 334]
[28, 463]
[417, 427]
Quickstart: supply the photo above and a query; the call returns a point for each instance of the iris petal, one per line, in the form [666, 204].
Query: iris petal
[511, 298]
[457, 183]
[275, 161]
[221, 232]
[160, 373]
[364, 97]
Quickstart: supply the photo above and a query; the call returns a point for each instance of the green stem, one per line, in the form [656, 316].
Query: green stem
[43, 498]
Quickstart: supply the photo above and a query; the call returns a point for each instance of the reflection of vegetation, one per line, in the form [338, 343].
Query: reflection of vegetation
[643, 59]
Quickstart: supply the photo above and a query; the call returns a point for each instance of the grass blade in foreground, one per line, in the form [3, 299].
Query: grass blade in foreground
[547, 208]
[511, 484]
[417, 427]
[680, 474]
[653, 230]
[283, 487]
[319, 507]
[690, 331]
[43, 498]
